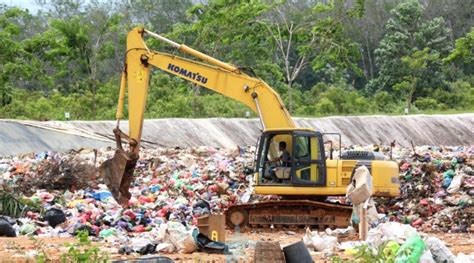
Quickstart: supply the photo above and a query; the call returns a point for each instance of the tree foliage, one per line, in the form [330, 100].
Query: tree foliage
[322, 57]
[463, 53]
[407, 32]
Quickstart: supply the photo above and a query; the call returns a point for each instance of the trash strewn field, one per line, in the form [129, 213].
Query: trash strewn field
[173, 187]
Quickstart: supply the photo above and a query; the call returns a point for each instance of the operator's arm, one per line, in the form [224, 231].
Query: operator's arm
[284, 157]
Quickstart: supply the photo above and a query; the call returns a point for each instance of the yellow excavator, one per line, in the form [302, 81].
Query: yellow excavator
[303, 181]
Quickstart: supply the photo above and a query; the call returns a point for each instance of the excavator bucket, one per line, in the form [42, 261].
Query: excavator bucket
[118, 175]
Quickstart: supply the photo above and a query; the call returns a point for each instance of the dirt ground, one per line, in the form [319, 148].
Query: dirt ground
[24, 249]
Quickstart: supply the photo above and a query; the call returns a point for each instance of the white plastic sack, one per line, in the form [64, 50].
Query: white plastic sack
[350, 244]
[307, 238]
[372, 214]
[330, 242]
[319, 242]
[455, 183]
[463, 258]
[390, 231]
[439, 250]
[160, 233]
[165, 248]
[245, 197]
[139, 242]
[426, 257]
[340, 231]
[181, 238]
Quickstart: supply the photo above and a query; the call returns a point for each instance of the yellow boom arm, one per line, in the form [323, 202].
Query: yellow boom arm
[219, 76]
[215, 75]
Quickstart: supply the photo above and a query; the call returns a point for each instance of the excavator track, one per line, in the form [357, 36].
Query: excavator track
[289, 213]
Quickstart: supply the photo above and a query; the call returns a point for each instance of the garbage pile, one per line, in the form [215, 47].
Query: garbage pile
[400, 243]
[172, 188]
[387, 242]
[437, 188]
[49, 171]
[59, 194]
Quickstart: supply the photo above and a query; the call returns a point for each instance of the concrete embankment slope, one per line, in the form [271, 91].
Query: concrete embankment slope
[27, 136]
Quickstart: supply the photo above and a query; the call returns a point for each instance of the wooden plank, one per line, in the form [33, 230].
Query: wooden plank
[268, 252]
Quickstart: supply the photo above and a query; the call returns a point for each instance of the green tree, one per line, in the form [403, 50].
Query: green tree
[463, 53]
[213, 30]
[11, 51]
[405, 32]
[290, 29]
[157, 15]
[416, 66]
[336, 54]
[89, 44]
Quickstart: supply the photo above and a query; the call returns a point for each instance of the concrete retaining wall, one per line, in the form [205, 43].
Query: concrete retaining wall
[27, 136]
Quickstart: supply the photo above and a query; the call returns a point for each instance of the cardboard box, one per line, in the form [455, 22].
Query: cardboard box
[213, 226]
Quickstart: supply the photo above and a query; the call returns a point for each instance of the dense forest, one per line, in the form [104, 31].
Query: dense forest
[324, 57]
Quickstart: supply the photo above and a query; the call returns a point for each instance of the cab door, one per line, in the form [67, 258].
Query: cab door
[309, 165]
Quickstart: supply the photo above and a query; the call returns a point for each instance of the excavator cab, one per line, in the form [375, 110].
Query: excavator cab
[306, 167]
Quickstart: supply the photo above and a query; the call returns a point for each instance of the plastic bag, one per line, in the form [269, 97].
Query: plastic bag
[319, 242]
[455, 184]
[439, 250]
[447, 182]
[411, 251]
[390, 251]
[6, 229]
[205, 244]
[355, 218]
[28, 229]
[165, 248]
[54, 217]
[307, 238]
[427, 257]
[102, 195]
[181, 238]
[390, 231]
[139, 242]
[372, 214]
[463, 258]
[246, 196]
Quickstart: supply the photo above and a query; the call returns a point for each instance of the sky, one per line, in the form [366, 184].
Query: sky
[28, 4]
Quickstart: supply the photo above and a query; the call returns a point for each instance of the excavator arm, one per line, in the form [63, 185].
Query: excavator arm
[212, 74]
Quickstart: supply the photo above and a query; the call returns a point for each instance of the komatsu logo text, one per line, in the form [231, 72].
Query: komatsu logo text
[187, 73]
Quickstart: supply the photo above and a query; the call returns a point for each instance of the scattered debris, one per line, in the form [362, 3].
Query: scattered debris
[175, 187]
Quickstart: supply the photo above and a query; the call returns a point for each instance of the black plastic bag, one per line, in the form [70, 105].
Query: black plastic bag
[148, 249]
[205, 244]
[6, 229]
[54, 217]
[125, 250]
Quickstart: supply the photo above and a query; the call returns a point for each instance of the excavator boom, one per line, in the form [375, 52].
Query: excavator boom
[215, 75]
